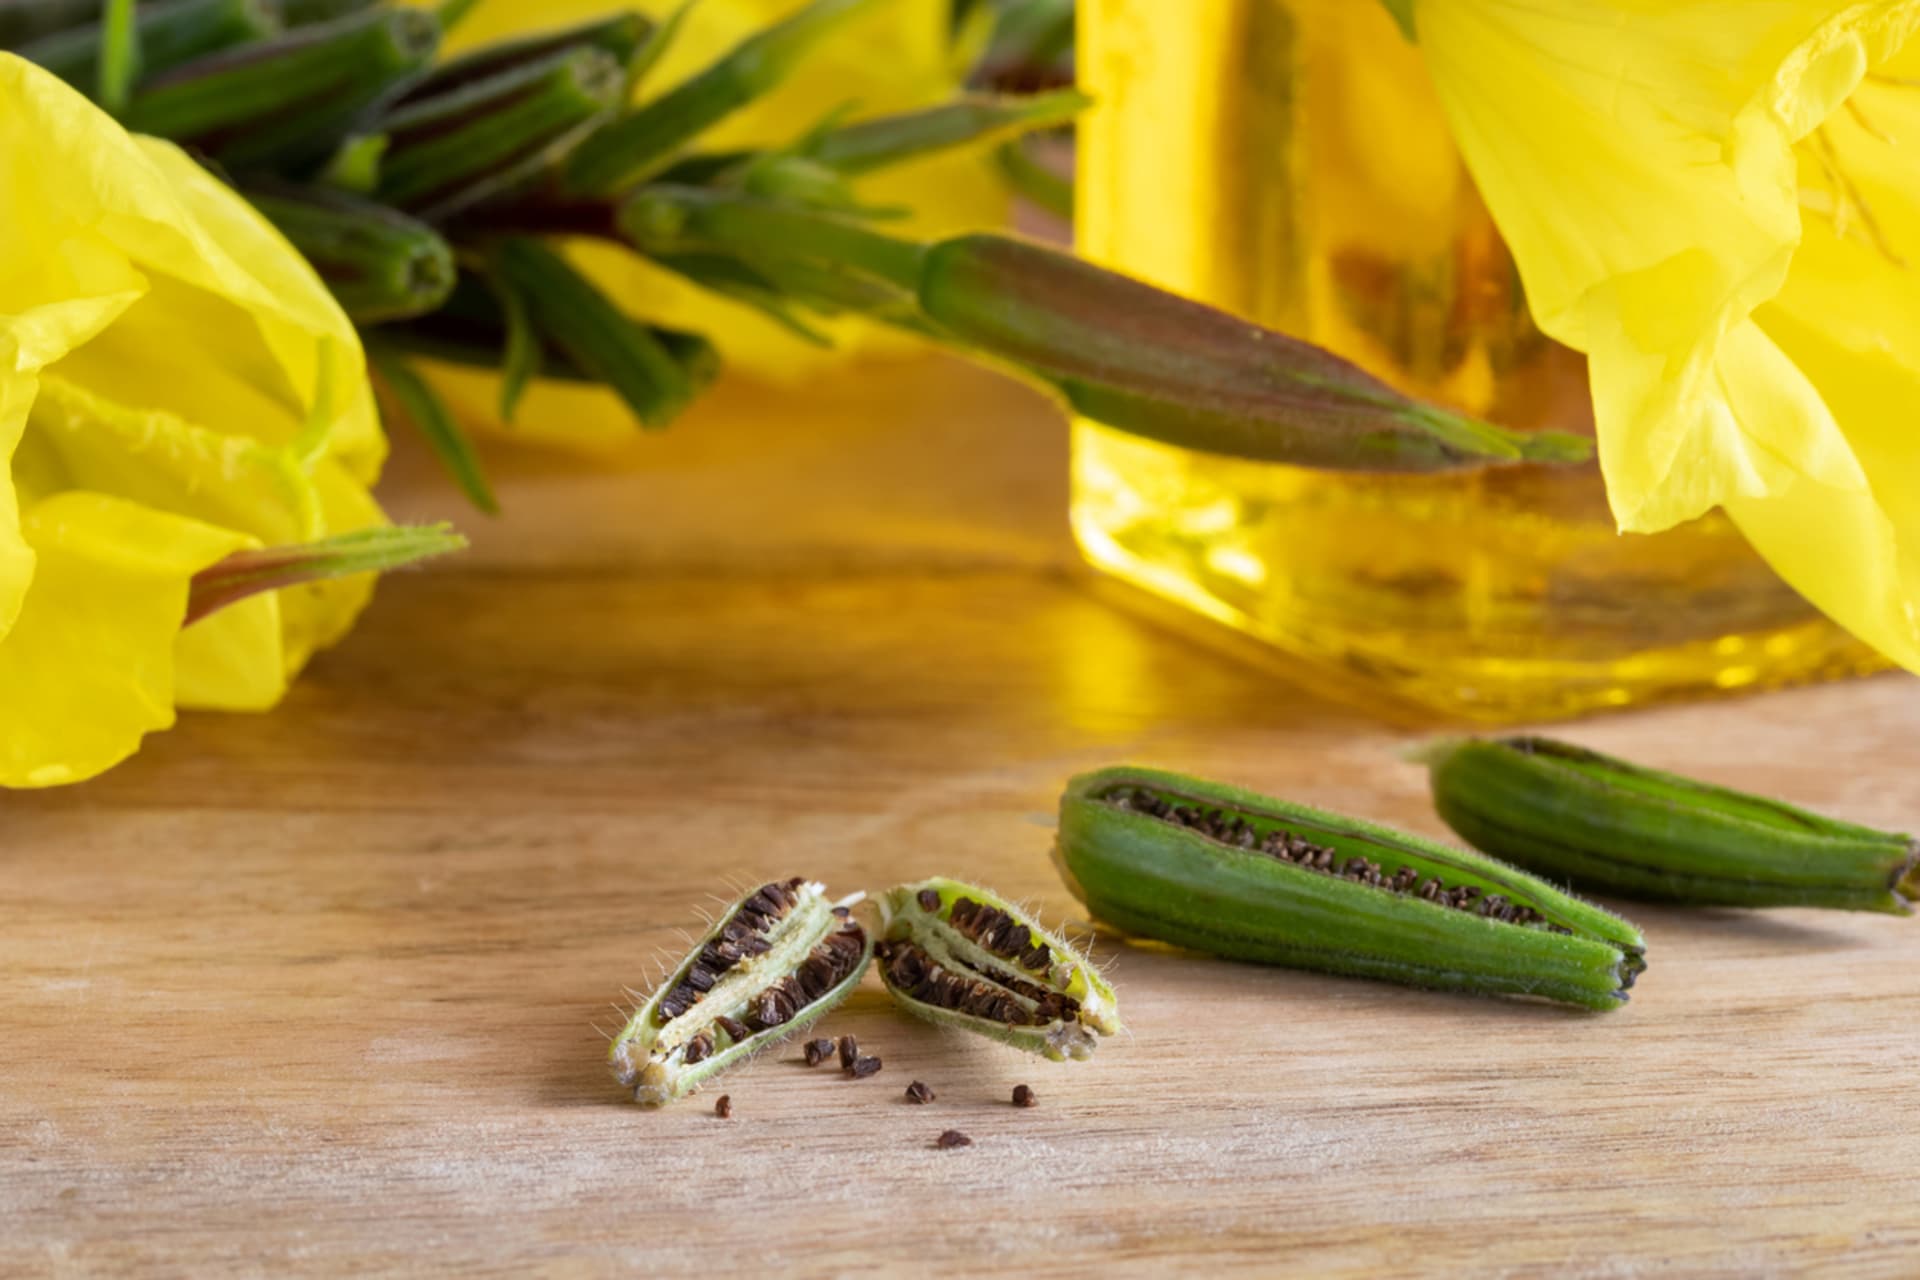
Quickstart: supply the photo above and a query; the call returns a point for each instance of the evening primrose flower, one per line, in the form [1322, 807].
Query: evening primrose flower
[897, 57]
[175, 386]
[1720, 204]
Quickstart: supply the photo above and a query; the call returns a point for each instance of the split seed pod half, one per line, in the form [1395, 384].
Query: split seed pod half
[962, 957]
[1243, 875]
[776, 960]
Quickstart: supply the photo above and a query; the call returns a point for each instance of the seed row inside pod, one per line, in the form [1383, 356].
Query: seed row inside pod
[776, 960]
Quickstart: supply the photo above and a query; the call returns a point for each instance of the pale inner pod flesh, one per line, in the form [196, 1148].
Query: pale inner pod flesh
[954, 954]
[773, 962]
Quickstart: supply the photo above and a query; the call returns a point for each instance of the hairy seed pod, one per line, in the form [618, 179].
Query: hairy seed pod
[776, 960]
[1606, 825]
[1244, 875]
[960, 956]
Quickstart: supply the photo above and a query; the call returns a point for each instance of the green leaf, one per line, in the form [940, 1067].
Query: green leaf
[430, 415]
[520, 360]
[1033, 181]
[375, 550]
[573, 315]
[630, 149]
[119, 56]
[1402, 11]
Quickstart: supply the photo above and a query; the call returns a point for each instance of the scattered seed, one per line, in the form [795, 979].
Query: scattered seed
[849, 1052]
[724, 1107]
[863, 1067]
[1023, 1096]
[918, 1093]
[952, 1138]
[817, 1051]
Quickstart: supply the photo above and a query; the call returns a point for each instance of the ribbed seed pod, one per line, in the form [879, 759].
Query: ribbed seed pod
[1609, 826]
[273, 102]
[959, 956]
[776, 960]
[170, 35]
[1238, 874]
[379, 264]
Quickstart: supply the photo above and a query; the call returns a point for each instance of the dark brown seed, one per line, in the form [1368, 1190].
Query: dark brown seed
[724, 1107]
[1023, 1096]
[736, 1030]
[929, 900]
[952, 1138]
[919, 1094]
[849, 1052]
[698, 1048]
[817, 1051]
[864, 1067]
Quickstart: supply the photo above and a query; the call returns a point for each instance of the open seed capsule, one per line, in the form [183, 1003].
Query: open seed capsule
[1607, 825]
[776, 960]
[1243, 875]
[962, 957]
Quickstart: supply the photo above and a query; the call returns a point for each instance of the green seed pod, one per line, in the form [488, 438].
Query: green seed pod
[170, 35]
[1247, 876]
[451, 151]
[1605, 825]
[274, 102]
[776, 960]
[619, 35]
[379, 264]
[962, 957]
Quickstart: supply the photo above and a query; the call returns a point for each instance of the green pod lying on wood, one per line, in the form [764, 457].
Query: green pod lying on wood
[1608, 826]
[773, 962]
[1250, 877]
[962, 957]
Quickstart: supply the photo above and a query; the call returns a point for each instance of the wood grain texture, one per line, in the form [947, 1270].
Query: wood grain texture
[316, 993]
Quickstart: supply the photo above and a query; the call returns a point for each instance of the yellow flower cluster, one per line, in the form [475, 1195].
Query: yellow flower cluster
[1719, 202]
[175, 385]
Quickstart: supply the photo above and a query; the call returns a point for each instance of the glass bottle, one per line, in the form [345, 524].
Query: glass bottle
[1287, 160]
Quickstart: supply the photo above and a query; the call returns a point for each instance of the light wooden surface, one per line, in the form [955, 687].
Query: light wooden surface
[316, 993]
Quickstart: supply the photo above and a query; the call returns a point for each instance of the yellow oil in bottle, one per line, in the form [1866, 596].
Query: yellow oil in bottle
[1287, 160]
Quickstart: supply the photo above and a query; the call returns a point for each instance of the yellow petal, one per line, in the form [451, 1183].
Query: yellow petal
[87, 668]
[1638, 158]
[16, 557]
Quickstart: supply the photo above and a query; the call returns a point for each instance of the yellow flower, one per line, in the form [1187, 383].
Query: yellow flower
[894, 58]
[1719, 202]
[175, 385]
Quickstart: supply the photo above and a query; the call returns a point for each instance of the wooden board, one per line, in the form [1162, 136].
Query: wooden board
[317, 992]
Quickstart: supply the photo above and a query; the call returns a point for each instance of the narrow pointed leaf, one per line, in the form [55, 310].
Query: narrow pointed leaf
[629, 149]
[119, 56]
[436, 422]
[247, 573]
[887, 140]
[597, 336]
